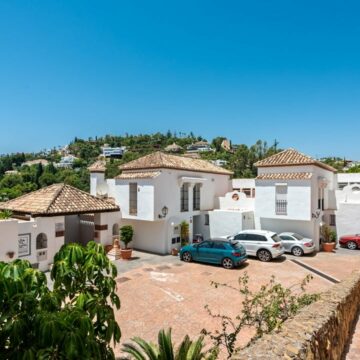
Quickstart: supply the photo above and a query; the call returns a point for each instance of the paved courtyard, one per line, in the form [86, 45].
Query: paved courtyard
[161, 291]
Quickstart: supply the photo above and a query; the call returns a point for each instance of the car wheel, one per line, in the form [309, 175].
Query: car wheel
[264, 255]
[186, 256]
[351, 245]
[297, 251]
[227, 263]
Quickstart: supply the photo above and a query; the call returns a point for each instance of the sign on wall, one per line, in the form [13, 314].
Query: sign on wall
[24, 244]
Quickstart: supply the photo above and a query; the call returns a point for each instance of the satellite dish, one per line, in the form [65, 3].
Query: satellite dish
[102, 189]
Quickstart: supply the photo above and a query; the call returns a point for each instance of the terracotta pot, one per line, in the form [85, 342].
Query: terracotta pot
[174, 252]
[10, 254]
[328, 247]
[126, 253]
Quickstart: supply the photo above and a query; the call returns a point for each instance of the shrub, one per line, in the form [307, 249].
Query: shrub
[126, 234]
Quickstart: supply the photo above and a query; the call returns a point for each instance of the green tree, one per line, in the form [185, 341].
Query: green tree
[75, 320]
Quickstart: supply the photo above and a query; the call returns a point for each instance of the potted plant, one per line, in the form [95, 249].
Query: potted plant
[328, 242]
[184, 233]
[126, 235]
[174, 251]
[10, 254]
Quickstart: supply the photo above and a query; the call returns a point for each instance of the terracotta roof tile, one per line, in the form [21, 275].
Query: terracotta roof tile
[128, 175]
[285, 176]
[58, 199]
[291, 157]
[98, 166]
[159, 160]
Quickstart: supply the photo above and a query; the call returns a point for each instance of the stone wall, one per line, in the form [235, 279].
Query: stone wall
[320, 331]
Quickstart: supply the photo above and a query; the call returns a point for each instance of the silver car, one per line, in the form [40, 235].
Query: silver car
[297, 244]
[265, 245]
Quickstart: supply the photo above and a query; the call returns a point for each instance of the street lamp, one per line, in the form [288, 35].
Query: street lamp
[164, 212]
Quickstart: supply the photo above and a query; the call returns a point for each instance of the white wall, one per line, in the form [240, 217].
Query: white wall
[148, 235]
[348, 219]
[8, 238]
[229, 202]
[229, 222]
[305, 228]
[10, 229]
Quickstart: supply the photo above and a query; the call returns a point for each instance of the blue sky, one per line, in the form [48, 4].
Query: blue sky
[247, 70]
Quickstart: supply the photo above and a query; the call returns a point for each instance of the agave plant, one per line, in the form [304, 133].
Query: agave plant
[165, 350]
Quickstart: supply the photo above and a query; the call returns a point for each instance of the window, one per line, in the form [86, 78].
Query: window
[206, 245]
[275, 238]
[286, 238]
[196, 197]
[297, 236]
[281, 199]
[41, 241]
[255, 237]
[321, 199]
[133, 190]
[218, 245]
[59, 229]
[184, 197]
[115, 229]
[332, 220]
[240, 237]
[207, 220]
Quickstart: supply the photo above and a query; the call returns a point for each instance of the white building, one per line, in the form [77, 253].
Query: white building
[44, 220]
[66, 161]
[200, 146]
[219, 162]
[159, 191]
[348, 204]
[116, 152]
[295, 193]
[246, 186]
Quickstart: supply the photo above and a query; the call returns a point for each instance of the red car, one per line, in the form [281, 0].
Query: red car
[352, 242]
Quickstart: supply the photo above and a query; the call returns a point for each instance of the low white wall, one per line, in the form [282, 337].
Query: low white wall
[305, 228]
[228, 222]
[348, 219]
[148, 235]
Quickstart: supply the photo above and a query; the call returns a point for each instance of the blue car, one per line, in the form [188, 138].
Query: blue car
[228, 253]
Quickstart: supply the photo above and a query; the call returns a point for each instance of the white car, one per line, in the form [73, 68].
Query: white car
[297, 244]
[265, 245]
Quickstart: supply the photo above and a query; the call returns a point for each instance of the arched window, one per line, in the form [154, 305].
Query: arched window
[41, 241]
[115, 229]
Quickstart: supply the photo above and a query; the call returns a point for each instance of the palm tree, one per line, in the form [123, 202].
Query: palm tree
[164, 349]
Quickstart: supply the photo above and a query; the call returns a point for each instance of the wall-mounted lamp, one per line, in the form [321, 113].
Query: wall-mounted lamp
[164, 212]
[316, 214]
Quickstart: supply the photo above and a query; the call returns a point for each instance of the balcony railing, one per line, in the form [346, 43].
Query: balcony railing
[281, 207]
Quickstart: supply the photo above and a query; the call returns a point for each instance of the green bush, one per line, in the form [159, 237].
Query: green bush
[126, 234]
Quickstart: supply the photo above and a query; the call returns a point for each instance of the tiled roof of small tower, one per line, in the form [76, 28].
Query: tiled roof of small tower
[58, 199]
[285, 176]
[98, 166]
[159, 160]
[291, 157]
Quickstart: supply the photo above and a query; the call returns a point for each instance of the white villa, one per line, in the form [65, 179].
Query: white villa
[44, 220]
[159, 191]
[295, 193]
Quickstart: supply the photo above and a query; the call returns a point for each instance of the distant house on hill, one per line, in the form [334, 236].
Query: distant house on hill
[66, 161]
[113, 152]
[43, 162]
[200, 146]
[226, 145]
[174, 148]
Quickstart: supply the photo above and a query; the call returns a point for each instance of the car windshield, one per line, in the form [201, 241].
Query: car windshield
[297, 236]
[236, 245]
[276, 238]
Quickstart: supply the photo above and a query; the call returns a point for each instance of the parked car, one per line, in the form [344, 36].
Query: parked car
[296, 244]
[215, 251]
[265, 245]
[352, 242]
